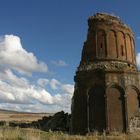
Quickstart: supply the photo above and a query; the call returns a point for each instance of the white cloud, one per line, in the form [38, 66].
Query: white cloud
[32, 95]
[65, 88]
[54, 84]
[138, 37]
[17, 92]
[8, 75]
[138, 59]
[12, 55]
[59, 63]
[68, 88]
[42, 82]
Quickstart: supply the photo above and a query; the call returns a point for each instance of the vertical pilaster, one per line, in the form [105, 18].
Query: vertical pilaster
[126, 114]
[88, 129]
[134, 52]
[106, 44]
[125, 47]
[106, 113]
[96, 48]
[95, 44]
[116, 40]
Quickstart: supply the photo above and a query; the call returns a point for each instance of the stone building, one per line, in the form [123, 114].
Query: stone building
[106, 95]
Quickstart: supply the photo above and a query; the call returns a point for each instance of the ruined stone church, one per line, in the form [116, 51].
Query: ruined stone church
[107, 89]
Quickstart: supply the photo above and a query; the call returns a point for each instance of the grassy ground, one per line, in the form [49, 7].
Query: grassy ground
[7, 133]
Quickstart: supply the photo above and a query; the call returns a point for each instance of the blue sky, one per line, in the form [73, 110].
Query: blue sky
[46, 39]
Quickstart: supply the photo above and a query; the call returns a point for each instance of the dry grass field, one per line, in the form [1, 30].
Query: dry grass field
[7, 133]
[13, 116]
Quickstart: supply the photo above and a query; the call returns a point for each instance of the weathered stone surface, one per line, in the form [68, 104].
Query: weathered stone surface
[107, 87]
[108, 66]
[59, 122]
[134, 125]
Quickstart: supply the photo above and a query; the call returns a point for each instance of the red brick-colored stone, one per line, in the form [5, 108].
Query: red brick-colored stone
[106, 94]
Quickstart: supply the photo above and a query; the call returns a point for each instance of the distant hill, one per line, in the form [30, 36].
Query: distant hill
[10, 115]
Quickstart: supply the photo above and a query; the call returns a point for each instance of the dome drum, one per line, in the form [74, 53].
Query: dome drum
[107, 85]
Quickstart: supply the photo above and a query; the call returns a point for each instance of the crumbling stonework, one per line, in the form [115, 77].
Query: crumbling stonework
[107, 93]
[134, 125]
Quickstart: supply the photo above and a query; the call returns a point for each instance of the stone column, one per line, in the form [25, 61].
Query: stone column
[126, 113]
[134, 52]
[96, 46]
[106, 113]
[125, 47]
[88, 129]
[106, 44]
[116, 40]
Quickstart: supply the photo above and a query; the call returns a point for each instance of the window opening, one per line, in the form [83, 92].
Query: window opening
[122, 50]
[101, 45]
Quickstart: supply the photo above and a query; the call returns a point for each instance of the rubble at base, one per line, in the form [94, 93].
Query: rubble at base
[134, 125]
[58, 122]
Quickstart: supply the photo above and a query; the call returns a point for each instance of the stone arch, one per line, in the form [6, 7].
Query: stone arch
[128, 47]
[133, 102]
[133, 50]
[112, 46]
[101, 44]
[121, 45]
[96, 108]
[116, 108]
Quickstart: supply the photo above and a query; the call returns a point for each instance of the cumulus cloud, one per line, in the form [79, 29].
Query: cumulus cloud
[18, 91]
[68, 88]
[65, 88]
[30, 95]
[138, 37]
[42, 82]
[138, 59]
[13, 80]
[59, 63]
[13, 55]
[54, 84]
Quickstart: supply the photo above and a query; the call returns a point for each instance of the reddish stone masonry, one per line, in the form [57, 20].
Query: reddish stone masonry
[107, 89]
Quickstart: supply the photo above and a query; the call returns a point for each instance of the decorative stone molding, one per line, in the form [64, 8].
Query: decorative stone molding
[108, 66]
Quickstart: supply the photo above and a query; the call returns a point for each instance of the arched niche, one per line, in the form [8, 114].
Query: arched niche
[132, 101]
[101, 44]
[116, 108]
[112, 47]
[121, 45]
[96, 108]
[133, 50]
[128, 47]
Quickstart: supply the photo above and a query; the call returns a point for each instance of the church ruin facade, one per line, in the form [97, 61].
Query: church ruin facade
[107, 94]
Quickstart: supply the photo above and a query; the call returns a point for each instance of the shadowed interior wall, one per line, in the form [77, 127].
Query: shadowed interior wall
[97, 116]
[115, 104]
[132, 102]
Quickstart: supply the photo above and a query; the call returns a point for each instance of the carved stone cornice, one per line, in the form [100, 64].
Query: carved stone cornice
[108, 66]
